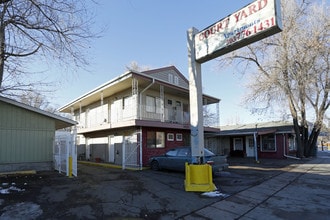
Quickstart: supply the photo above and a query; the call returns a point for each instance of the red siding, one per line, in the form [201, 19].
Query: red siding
[281, 143]
[279, 154]
[149, 152]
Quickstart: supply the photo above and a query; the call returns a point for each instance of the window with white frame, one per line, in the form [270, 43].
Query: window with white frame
[292, 143]
[170, 137]
[268, 143]
[176, 80]
[170, 78]
[178, 137]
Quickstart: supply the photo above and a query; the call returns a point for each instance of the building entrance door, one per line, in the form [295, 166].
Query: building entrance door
[249, 146]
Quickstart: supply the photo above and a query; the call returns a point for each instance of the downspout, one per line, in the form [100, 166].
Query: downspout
[124, 153]
[145, 89]
[141, 144]
[255, 147]
[284, 150]
[255, 144]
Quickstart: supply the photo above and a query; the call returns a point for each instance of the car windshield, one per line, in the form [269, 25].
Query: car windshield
[208, 153]
[172, 153]
[186, 152]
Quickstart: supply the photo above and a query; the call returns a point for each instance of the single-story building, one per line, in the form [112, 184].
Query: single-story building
[268, 140]
[27, 136]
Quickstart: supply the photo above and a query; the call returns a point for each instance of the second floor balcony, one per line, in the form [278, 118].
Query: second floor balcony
[103, 117]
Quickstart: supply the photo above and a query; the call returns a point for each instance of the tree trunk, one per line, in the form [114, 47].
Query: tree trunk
[2, 53]
[2, 58]
[312, 142]
[304, 132]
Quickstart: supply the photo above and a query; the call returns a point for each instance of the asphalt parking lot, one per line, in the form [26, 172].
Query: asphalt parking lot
[109, 193]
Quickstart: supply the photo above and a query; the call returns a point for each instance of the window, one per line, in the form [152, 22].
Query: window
[292, 143]
[268, 142]
[150, 104]
[251, 142]
[238, 144]
[179, 137]
[170, 137]
[155, 139]
[126, 102]
[170, 78]
[176, 80]
[169, 102]
[153, 104]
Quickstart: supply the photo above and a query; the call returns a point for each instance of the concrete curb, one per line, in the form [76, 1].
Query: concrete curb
[23, 172]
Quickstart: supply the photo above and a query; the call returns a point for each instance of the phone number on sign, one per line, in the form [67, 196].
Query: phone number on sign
[248, 31]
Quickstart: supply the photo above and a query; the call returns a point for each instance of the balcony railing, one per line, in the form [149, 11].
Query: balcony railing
[142, 112]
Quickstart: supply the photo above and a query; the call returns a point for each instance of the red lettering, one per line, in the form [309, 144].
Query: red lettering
[237, 16]
[226, 22]
[262, 4]
[243, 14]
[251, 9]
[219, 26]
[207, 33]
[222, 24]
[201, 36]
[212, 30]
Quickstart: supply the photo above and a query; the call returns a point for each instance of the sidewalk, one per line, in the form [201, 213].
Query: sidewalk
[301, 193]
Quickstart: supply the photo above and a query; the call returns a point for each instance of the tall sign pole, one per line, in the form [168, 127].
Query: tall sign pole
[195, 100]
[256, 21]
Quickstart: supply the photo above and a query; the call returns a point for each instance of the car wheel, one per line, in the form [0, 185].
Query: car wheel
[154, 165]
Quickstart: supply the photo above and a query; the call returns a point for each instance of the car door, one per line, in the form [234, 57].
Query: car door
[182, 157]
[168, 161]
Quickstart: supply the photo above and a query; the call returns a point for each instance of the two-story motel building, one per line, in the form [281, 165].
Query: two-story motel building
[137, 115]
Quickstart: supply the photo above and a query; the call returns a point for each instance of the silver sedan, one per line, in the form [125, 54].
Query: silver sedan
[176, 158]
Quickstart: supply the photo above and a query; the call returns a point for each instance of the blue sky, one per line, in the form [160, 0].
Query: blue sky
[153, 33]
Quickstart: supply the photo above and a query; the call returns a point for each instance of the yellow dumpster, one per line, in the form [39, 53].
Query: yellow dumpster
[199, 178]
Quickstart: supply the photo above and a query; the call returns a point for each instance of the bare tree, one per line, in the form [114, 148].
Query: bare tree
[292, 69]
[210, 117]
[41, 30]
[37, 100]
[136, 67]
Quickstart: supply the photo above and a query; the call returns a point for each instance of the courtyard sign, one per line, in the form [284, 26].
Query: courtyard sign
[254, 22]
